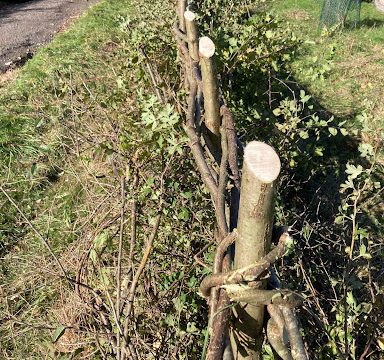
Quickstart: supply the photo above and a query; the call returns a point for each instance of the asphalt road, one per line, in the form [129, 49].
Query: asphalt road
[26, 25]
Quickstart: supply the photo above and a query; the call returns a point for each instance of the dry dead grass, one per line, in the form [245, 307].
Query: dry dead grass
[298, 15]
[8, 76]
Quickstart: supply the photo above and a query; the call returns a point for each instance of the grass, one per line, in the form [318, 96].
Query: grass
[70, 129]
[33, 113]
[49, 164]
[342, 69]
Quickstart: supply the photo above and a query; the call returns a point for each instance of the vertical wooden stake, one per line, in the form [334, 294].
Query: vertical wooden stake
[260, 171]
[210, 86]
[181, 6]
[192, 35]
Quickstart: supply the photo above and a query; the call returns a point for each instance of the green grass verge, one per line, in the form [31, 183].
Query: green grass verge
[41, 169]
[33, 115]
[344, 70]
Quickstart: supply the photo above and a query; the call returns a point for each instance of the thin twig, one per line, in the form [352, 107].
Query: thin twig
[138, 273]
[120, 251]
[133, 221]
[198, 154]
[41, 238]
[152, 76]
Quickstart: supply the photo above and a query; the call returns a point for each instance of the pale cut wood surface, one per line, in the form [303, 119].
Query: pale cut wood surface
[207, 47]
[262, 161]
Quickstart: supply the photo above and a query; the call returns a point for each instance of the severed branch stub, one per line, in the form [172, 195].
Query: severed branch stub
[260, 171]
[181, 5]
[192, 36]
[210, 86]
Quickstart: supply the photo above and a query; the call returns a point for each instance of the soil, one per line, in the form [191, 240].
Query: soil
[26, 25]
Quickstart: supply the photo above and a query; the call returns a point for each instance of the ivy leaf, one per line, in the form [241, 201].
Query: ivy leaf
[58, 333]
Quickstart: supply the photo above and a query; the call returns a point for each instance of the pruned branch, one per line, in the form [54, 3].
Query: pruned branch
[210, 85]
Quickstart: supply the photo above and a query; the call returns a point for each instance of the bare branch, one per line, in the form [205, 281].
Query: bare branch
[118, 277]
[136, 278]
[192, 35]
[181, 5]
[220, 198]
[276, 334]
[246, 274]
[198, 154]
[295, 339]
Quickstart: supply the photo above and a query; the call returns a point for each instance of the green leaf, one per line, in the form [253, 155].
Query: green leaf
[277, 112]
[100, 240]
[93, 255]
[319, 151]
[269, 34]
[344, 132]
[339, 219]
[187, 194]
[183, 214]
[353, 171]
[333, 131]
[363, 249]
[58, 333]
[232, 42]
[350, 299]
[366, 150]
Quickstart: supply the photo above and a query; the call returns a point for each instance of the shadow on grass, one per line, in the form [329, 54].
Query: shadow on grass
[309, 200]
